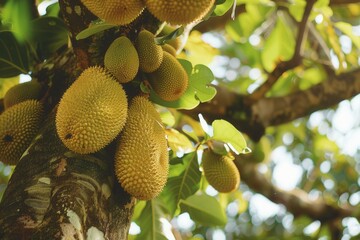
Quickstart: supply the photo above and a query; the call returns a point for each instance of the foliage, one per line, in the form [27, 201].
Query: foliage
[322, 147]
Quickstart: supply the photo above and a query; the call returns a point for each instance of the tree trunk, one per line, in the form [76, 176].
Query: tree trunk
[57, 194]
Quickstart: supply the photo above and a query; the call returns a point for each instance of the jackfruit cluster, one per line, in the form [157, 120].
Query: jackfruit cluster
[122, 60]
[18, 126]
[22, 92]
[141, 159]
[220, 171]
[115, 11]
[170, 80]
[179, 12]
[92, 111]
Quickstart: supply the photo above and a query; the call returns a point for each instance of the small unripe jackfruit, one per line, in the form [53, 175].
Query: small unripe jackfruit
[220, 171]
[18, 126]
[22, 92]
[170, 80]
[92, 111]
[170, 49]
[115, 11]
[141, 159]
[150, 54]
[179, 11]
[122, 60]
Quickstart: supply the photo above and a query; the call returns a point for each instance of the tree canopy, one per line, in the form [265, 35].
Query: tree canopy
[273, 83]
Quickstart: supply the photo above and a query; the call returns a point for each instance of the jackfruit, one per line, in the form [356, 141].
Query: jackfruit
[170, 49]
[141, 159]
[179, 12]
[22, 92]
[115, 11]
[170, 80]
[150, 54]
[220, 171]
[92, 111]
[122, 60]
[18, 126]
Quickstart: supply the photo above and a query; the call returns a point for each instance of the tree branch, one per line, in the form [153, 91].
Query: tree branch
[296, 201]
[253, 117]
[293, 62]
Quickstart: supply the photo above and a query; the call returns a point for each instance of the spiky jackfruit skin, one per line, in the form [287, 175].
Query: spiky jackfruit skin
[170, 49]
[220, 171]
[122, 60]
[115, 11]
[92, 111]
[18, 126]
[179, 12]
[141, 159]
[22, 92]
[170, 80]
[150, 54]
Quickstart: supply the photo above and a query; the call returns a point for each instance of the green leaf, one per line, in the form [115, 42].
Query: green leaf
[50, 33]
[94, 27]
[227, 133]
[279, 46]
[18, 13]
[183, 182]
[221, 9]
[199, 89]
[13, 56]
[204, 209]
[174, 34]
[347, 29]
[151, 222]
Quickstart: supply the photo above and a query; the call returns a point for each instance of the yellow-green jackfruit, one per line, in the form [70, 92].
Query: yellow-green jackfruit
[150, 54]
[141, 159]
[22, 92]
[122, 60]
[115, 11]
[170, 80]
[92, 111]
[220, 171]
[170, 49]
[178, 12]
[18, 126]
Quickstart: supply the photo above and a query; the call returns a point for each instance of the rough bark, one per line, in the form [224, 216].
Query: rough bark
[56, 194]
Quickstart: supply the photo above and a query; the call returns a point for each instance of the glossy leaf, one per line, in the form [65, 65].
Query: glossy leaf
[199, 89]
[13, 56]
[274, 49]
[151, 221]
[221, 9]
[227, 133]
[50, 33]
[204, 209]
[95, 27]
[184, 181]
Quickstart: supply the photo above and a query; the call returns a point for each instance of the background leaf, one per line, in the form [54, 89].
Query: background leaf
[204, 209]
[151, 221]
[184, 181]
[13, 56]
[95, 27]
[227, 133]
[221, 9]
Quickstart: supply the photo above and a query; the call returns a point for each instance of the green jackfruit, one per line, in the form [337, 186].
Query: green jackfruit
[179, 12]
[92, 111]
[170, 80]
[220, 171]
[122, 60]
[18, 126]
[22, 92]
[150, 54]
[170, 49]
[113, 11]
[141, 159]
